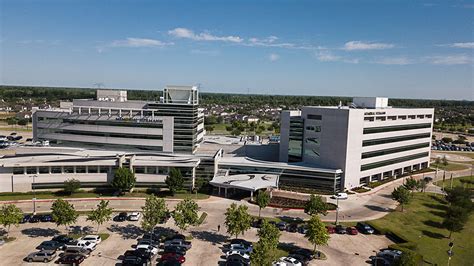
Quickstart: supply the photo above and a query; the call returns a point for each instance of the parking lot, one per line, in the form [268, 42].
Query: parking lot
[207, 243]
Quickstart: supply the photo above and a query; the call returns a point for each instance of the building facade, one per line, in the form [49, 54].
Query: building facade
[369, 141]
[173, 124]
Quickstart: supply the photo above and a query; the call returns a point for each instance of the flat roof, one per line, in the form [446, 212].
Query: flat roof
[250, 182]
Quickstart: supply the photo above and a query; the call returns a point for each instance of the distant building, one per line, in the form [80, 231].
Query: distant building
[369, 141]
[173, 124]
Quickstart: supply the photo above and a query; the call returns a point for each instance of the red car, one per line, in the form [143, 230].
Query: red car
[352, 231]
[331, 229]
[170, 257]
[71, 259]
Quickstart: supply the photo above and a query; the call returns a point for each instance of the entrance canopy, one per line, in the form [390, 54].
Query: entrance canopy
[249, 182]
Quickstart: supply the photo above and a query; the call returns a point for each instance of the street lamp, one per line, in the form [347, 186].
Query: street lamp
[34, 194]
[337, 209]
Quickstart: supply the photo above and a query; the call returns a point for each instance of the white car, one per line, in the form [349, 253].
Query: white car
[339, 196]
[134, 216]
[239, 247]
[82, 244]
[150, 248]
[238, 252]
[287, 261]
[92, 238]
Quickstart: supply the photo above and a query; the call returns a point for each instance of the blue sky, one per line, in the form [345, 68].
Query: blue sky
[403, 49]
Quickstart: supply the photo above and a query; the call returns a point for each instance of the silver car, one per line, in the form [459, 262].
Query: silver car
[43, 255]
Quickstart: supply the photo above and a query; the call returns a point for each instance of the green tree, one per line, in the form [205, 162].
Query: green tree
[263, 199]
[101, 214]
[10, 215]
[174, 180]
[461, 197]
[124, 179]
[154, 211]
[444, 161]
[63, 213]
[186, 214]
[317, 233]
[315, 205]
[408, 258]
[264, 251]
[237, 219]
[402, 195]
[421, 185]
[455, 219]
[411, 183]
[71, 185]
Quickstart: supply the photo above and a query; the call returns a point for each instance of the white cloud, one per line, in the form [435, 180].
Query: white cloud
[360, 45]
[394, 61]
[271, 41]
[461, 45]
[139, 42]
[205, 52]
[326, 56]
[203, 36]
[273, 57]
[460, 59]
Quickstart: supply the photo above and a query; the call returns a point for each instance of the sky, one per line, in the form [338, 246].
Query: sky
[400, 49]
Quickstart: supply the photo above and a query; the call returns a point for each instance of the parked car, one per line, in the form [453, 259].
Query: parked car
[46, 218]
[293, 228]
[92, 238]
[303, 229]
[237, 260]
[175, 249]
[390, 254]
[77, 251]
[351, 231]
[35, 219]
[178, 242]
[134, 216]
[172, 257]
[62, 239]
[340, 229]
[155, 238]
[330, 229]
[145, 248]
[26, 218]
[82, 244]
[133, 258]
[144, 256]
[241, 242]
[240, 247]
[71, 259]
[379, 261]
[304, 260]
[364, 228]
[50, 245]
[121, 217]
[244, 255]
[282, 226]
[340, 196]
[175, 237]
[43, 255]
[289, 261]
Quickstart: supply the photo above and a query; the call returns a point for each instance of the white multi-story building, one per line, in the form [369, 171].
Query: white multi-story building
[369, 140]
[173, 124]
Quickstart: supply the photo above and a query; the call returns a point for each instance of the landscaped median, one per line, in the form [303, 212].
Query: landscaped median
[419, 229]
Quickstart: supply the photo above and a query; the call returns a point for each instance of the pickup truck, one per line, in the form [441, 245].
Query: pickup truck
[179, 243]
[82, 244]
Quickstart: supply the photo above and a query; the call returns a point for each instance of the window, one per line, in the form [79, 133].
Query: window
[314, 117]
[18, 170]
[104, 169]
[371, 154]
[139, 169]
[411, 117]
[392, 117]
[151, 170]
[402, 117]
[56, 170]
[68, 169]
[372, 130]
[80, 169]
[368, 118]
[371, 142]
[420, 116]
[44, 170]
[31, 170]
[369, 166]
[92, 169]
[429, 116]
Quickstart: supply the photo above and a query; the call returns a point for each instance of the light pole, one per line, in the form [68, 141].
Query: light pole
[337, 209]
[34, 194]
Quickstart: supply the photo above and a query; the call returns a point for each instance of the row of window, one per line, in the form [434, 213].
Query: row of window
[31, 170]
[371, 142]
[371, 154]
[369, 166]
[314, 128]
[372, 130]
[314, 117]
[394, 117]
[107, 134]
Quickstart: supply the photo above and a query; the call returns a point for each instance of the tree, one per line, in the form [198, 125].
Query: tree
[315, 205]
[264, 251]
[447, 140]
[444, 161]
[237, 219]
[402, 195]
[101, 214]
[263, 199]
[411, 183]
[63, 213]
[124, 179]
[408, 258]
[174, 180]
[455, 219]
[421, 185]
[437, 161]
[317, 233]
[185, 214]
[154, 211]
[71, 186]
[459, 196]
[10, 215]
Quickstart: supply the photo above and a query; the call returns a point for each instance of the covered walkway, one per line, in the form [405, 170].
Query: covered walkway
[247, 182]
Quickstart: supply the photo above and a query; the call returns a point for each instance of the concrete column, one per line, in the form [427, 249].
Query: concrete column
[62, 169]
[194, 177]
[225, 192]
[49, 169]
[251, 195]
[219, 193]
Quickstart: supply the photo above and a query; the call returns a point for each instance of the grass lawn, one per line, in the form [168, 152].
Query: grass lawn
[449, 167]
[465, 154]
[91, 194]
[420, 222]
[456, 181]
